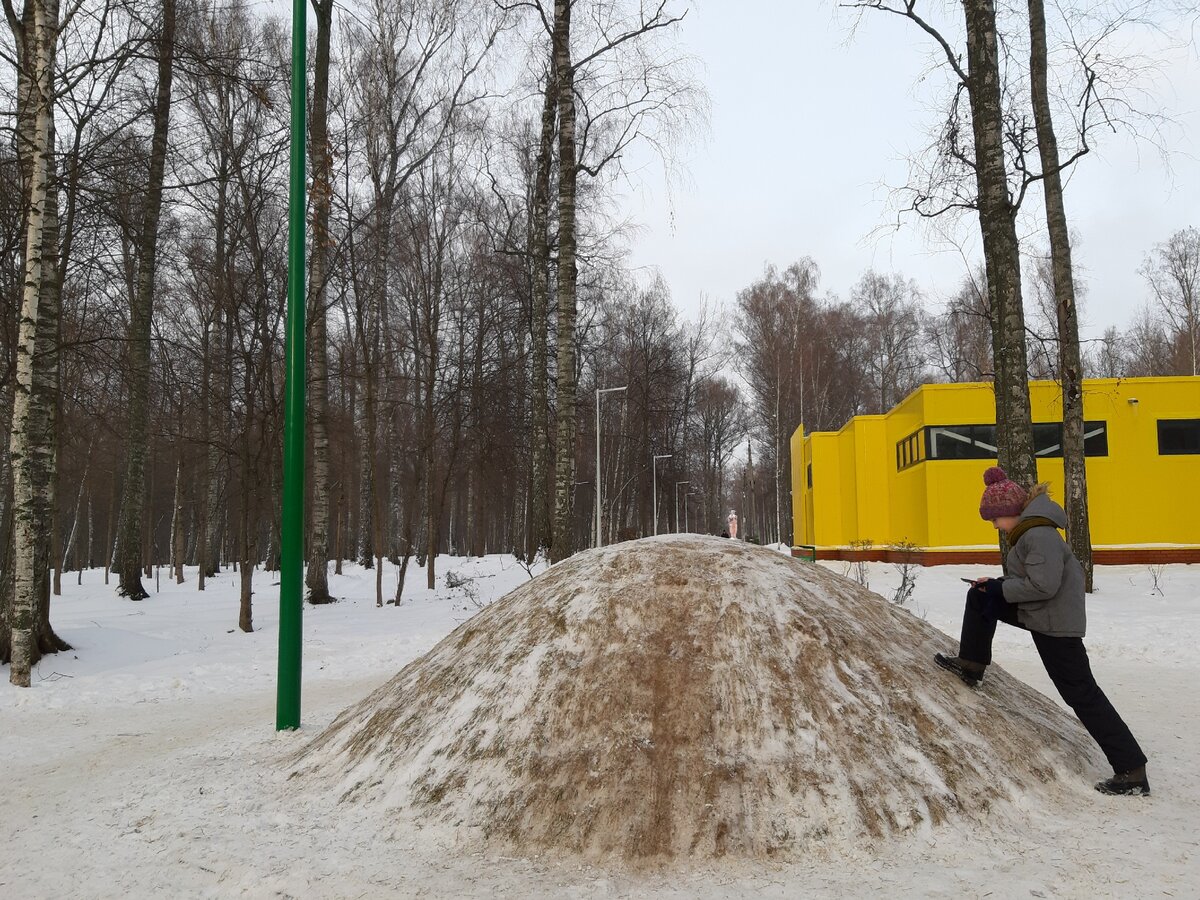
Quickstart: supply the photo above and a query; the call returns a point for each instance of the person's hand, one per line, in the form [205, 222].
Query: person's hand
[994, 604]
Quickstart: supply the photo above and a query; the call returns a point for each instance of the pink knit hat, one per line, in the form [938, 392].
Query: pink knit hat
[1001, 497]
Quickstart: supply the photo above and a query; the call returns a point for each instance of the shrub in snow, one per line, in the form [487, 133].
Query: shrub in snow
[858, 569]
[1155, 579]
[693, 696]
[907, 568]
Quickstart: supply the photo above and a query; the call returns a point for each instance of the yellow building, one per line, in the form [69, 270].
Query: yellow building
[915, 474]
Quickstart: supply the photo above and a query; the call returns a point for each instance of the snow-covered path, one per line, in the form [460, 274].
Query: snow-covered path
[154, 768]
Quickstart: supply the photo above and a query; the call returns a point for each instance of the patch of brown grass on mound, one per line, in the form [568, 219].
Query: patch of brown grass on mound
[693, 696]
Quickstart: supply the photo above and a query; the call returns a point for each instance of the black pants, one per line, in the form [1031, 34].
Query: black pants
[1066, 662]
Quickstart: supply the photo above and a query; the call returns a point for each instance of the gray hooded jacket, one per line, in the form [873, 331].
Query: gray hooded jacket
[1044, 578]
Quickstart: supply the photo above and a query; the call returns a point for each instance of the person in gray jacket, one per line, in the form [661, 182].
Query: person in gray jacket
[1043, 593]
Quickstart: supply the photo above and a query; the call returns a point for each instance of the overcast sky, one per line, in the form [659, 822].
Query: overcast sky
[808, 128]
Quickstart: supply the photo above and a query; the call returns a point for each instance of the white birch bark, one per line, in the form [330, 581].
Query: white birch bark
[1070, 369]
[539, 261]
[317, 576]
[568, 173]
[1001, 245]
[87, 464]
[130, 531]
[177, 525]
[24, 454]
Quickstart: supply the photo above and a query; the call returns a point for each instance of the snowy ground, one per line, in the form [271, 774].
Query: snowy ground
[146, 762]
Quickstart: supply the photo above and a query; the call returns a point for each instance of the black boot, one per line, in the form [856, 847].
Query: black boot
[970, 672]
[1132, 783]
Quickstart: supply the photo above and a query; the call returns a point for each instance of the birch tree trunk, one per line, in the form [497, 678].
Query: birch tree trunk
[372, 488]
[46, 378]
[248, 552]
[71, 544]
[57, 557]
[207, 553]
[141, 312]
[50, 361]
[429, 430]
[203, 482]
[148, 518]
[114, 514]
[568, 172]
[91, 530]
[352, 485]
[317, 577]
[214, 527]
[997, 220]
[431, 510]
[749, 525]
[177, 524]
[778, 461]
[28, 455]
[6, 559]
[338, 532]
[366, 483]
[539, 260]
[1069, 367]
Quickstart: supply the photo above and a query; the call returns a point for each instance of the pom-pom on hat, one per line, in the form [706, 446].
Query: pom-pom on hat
[1001, 497]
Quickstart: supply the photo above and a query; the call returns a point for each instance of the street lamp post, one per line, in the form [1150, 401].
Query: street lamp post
[654, 482]
[599, 481]
[677, 484]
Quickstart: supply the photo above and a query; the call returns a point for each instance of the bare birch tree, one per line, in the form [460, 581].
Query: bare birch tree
[803, 357]
[36, 33]
[959, 339]
[1070, 369]
[891, 313]
[604, 68]
[1172, 271]
[565, 374]
[321, 153]
[1148, 347]
[414, 70]
[539, 264]
[981, 80]
[1106, 359]
[129, 554]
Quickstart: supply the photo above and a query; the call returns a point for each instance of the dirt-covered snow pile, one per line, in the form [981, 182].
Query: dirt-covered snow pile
[693, 696]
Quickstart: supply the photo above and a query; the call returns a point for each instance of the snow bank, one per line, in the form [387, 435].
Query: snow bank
[686, 696]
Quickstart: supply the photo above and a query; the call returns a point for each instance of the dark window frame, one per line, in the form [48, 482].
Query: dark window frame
[910, 451]
[977, 441]
[1095, 439]
[970, 440]
[1095, 433]
[1191, 442]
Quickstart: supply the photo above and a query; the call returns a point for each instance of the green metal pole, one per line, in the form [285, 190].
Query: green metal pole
[291, 580]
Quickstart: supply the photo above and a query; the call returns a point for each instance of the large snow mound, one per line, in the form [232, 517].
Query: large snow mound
[693, 696]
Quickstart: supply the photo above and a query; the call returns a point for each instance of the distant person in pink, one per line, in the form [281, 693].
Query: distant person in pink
[732, 522]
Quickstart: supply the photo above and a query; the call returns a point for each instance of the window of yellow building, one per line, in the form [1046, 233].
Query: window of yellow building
[1178, 436]
[979, 442]
[1047, 439]
[910, 451]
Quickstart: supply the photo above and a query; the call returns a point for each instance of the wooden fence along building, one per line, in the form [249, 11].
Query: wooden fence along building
[914, 475]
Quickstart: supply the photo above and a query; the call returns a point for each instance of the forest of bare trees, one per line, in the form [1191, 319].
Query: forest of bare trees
[469, 293]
